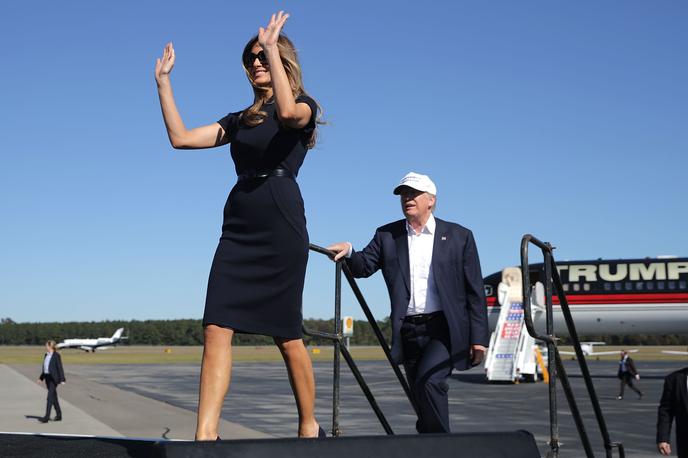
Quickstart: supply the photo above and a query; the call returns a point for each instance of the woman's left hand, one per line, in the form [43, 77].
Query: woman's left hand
[267, 37]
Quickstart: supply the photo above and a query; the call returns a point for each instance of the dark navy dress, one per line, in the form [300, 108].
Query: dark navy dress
[257, 276]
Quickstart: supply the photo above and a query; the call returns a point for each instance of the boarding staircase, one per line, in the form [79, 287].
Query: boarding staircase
[512, 354]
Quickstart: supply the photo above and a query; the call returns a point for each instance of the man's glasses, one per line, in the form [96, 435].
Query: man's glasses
[250, 58]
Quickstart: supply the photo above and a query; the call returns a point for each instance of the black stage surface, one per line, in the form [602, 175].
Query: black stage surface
[260, 398]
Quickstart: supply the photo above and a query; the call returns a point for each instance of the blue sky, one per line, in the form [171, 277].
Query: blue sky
[567, 120]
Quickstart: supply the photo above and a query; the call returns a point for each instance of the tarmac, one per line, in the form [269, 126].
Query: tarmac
[95, 407]
[158, 401]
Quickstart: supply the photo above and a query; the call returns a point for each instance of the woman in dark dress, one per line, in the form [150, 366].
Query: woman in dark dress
[256, 279]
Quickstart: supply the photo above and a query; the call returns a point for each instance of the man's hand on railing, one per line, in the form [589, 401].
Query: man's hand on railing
[340, 249]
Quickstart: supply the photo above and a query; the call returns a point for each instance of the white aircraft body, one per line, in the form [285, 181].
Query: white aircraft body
[588, 349]
[91, 344]
[625, 296]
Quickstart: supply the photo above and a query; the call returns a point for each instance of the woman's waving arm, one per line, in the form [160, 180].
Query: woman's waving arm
[181, 137]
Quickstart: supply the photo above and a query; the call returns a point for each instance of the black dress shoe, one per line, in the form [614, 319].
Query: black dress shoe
[58, 418]
[43, 419]
[321, 433]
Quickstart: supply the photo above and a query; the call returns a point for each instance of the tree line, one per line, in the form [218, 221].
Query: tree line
[165, 332]
[190, 332]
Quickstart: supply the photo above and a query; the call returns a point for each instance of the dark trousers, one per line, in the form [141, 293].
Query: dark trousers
[52, 396]
[627, 379]
[427, 362]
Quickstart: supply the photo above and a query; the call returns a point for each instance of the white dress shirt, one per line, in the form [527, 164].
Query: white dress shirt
[46, 363]
[424, 296]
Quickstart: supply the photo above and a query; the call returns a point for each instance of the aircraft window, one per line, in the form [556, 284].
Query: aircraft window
[672, 285]
[576, 287]
[638, 285]
[682, 284]
[586, 286]
[650, 285]
[617, 286]
[629, 286]
[660, 285]
[488, 290]
[607, 286]
[566, 286]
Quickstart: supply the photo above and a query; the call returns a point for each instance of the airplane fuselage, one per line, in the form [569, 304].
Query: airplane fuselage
[639, 296]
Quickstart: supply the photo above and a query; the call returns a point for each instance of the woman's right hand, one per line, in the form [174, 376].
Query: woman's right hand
[164, 64]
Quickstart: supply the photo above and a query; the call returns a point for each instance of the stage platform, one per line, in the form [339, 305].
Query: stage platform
[516, 444]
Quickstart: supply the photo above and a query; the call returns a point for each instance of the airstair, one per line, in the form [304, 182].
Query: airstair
[511, 356]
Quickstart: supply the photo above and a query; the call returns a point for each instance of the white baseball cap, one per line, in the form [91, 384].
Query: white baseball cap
[418, 182]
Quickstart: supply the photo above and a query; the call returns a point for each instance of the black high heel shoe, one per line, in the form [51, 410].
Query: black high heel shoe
[321, 433]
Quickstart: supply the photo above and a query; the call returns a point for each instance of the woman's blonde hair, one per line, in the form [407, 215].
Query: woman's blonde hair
[52, 345]
[253, 115]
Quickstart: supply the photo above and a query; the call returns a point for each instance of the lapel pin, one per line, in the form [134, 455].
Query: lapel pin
[444, 237]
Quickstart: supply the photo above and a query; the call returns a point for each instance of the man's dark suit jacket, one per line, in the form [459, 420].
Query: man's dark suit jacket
[54, 368]
[674, 404]
[455, 267]
[630, 368]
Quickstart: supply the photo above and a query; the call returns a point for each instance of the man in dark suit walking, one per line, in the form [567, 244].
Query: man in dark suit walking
[52, 374]
[674, 405]
[438, 310]
[627, 373]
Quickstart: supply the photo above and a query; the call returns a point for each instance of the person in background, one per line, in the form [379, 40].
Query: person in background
[627, 373]
[52, 374]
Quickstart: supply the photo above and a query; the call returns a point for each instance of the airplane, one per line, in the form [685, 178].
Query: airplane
[92, 344]
[610, 297]
[588, 349]
[675, 352]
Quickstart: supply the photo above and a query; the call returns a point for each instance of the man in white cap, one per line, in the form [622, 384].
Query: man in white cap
[439, 315]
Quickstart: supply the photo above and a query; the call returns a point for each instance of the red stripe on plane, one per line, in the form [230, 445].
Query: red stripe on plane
[641, 298]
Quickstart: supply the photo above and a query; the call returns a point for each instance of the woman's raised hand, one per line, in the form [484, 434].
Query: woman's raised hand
[267, 37]
[164, 64]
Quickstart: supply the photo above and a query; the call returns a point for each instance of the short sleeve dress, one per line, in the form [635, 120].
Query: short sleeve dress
[257, 275]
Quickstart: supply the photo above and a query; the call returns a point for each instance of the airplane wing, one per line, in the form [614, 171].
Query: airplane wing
[567, 353]
[675, 352]
[601, 353]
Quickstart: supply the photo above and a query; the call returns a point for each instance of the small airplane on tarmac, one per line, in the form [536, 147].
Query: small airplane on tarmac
[675, 352]
[589, 350]
[87, 345]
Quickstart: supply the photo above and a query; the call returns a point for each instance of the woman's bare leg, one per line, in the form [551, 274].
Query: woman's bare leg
[216, 372]
[302, 383]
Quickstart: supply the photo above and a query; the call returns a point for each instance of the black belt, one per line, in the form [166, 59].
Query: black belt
[253, 174]
[423, 318]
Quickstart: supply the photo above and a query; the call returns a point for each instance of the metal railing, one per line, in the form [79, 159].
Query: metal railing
[554, 363]
[336, 338]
